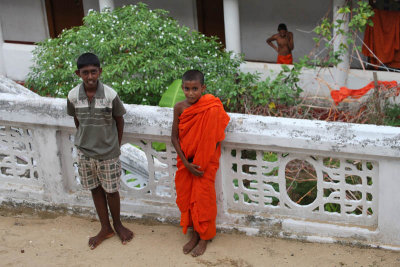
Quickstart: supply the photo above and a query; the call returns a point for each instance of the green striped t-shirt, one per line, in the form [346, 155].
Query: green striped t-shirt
[97, 135]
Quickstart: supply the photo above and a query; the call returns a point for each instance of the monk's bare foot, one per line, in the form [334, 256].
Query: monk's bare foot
[100, 237]
[124, 233]
[200, 248]
[192, 243]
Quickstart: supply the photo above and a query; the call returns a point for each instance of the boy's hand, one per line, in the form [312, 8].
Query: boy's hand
[194, 169]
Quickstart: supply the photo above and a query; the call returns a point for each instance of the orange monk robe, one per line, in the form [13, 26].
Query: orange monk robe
[288, 59]
[383, 39]
[201, 127]
[344, 92]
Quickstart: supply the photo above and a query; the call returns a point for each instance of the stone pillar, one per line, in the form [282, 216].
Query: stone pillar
[106, 3]
[341, 71]
[2, 66]
[232, 26]
[389, 199]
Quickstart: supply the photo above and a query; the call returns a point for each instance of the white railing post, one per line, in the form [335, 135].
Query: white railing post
[50, 165]
[219, 187]
[389, 199]
[232, 26]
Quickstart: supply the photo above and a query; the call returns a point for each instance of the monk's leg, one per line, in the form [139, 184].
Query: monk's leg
[114, 203]
[189, 246]
[204, 239]
[200, 248]
[100, 202]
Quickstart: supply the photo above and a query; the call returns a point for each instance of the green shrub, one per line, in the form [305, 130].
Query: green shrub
[392, 114]
[142, 52]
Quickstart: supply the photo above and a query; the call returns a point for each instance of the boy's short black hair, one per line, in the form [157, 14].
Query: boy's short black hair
[87, 59]
[282, 26]
[193, 75]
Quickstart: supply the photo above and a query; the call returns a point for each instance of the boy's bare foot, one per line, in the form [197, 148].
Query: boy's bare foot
[192, 243]
[200, 248]
[124, 233]
[100, 237]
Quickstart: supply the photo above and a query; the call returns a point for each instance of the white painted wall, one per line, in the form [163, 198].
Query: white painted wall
[24, 20]
[90, 4]
[17, 60]
[181, 10]
[260, 19]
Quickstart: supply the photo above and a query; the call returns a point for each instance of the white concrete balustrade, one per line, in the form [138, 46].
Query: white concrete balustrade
[37, 167]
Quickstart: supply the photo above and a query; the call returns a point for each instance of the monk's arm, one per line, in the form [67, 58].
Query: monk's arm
[290, 41]
[270, 42]
[175, 142]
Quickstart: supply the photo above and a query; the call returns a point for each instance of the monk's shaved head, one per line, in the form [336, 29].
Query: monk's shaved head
[193, 75]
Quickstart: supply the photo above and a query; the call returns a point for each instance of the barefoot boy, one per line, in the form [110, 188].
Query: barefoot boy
[284, 40]
[97, 112]
[197, 130]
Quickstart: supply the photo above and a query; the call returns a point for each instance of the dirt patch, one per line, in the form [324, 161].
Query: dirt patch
[27, 240]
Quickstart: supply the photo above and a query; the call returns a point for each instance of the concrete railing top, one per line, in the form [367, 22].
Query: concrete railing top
[253, 130]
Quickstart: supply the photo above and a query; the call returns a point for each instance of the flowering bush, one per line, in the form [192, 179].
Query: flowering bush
[142, 51]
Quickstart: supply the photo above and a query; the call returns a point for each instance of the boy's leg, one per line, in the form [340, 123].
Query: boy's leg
[110, 176]
[114, 203]
[106, 231]
[89, 179]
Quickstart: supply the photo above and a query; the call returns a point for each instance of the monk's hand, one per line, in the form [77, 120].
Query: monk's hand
[194, 169]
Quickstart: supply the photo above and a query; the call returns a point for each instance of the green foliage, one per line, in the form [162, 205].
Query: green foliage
[173, 95]
[392, 114]
[142, 51]
[359, 16]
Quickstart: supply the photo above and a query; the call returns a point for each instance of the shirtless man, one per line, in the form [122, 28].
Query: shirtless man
[284, 40]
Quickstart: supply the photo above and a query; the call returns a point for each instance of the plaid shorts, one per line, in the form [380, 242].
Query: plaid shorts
[96, 172]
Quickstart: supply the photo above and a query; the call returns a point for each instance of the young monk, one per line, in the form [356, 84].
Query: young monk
[284, 40]
[197, 131]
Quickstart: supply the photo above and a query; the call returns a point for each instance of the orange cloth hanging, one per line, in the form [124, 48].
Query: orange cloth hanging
[344, 92]
[383, 38]
[201, 127]
[288, 59]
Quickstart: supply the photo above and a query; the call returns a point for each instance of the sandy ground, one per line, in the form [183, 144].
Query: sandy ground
[62, 241]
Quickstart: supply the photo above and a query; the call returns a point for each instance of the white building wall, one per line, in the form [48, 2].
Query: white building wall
[90, 4]
[184, 11]
[260, 19]
[17, 60]
[24, 20]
